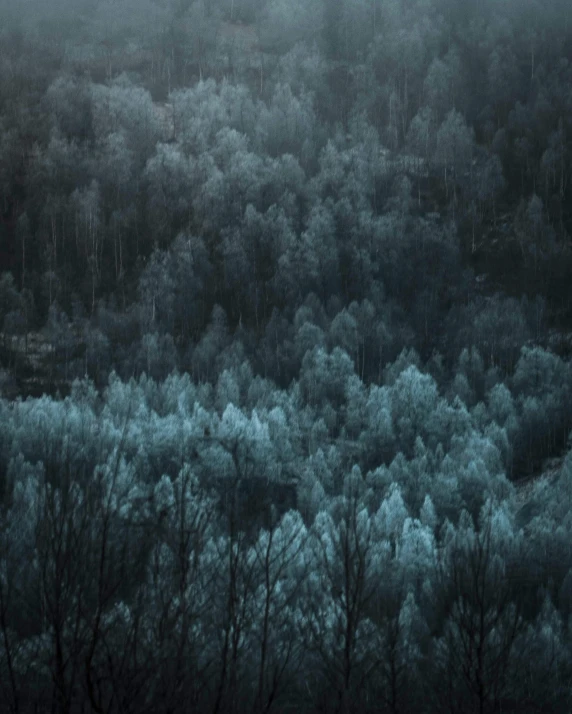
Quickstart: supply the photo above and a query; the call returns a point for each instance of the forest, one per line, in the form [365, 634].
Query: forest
[285, 356]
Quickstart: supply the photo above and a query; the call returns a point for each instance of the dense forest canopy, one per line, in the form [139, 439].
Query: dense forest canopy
[285, 375]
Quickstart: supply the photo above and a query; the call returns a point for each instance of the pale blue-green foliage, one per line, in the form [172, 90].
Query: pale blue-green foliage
[155, 437]
[452, 421]
[391, 515]
[454, 143]
[47, 430]
[422, 424]
[155, 443]
[205, 201]
[283, 438]
[323, 467]
[502, 409]
[287, 124]
[125, 414]
[417, 549]
[498, 517]
[558, 497]
[471, 365]
[277, 631]
[157, 355]
[227, 391]
[331, 418]
[344, 332]
[211, 344]
[260, 393]
[356, 399]
[499, 437]
[269, 232]
[378, 436]
[123, 107]
[548, 544]
[26, 509]
[462, 389]
[286, 24]
[122, 400]
[412, 631]
[115, 162]
[238, 163]
[407, 358]
[34, 423]
[539, 372]
[65, 99]
[427, 515]
[311, 495]
[21, 471]
[122, 492]
[63, 162]
[550, 519]
[286, 180]
[229, 178]
[164, 494]
[307, 337]
[182, 503]
[480, 415]
[354, 486]
[446, 492]
[349, 165]
[238, 442]
[312, 254]
[414, 399]
[474, 446]
[324, 376]
[169, 176]
[163, 425]
[380, 479]
[418, 410]
[201, 111]
[541, 385]
[289, 542]
[176, 394]
[318, 433]
[479, 468]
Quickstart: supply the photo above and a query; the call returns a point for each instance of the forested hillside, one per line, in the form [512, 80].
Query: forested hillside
[285, 319]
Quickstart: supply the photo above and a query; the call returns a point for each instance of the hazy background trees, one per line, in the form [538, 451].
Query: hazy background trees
[301, 275]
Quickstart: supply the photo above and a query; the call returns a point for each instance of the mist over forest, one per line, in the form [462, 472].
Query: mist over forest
[285, 356]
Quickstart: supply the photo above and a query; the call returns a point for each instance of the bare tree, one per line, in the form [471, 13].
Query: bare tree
[482, 621]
